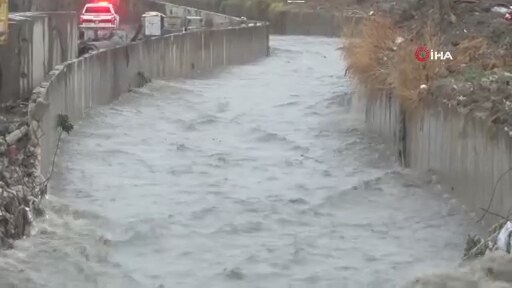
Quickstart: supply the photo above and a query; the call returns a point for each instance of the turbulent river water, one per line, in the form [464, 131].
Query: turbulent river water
[257, 176]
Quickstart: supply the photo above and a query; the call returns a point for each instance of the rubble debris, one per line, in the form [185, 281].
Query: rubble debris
[22, 187]
[37, 109]
[487, 263]
[494, 270]
[499, 238]
[13, 137]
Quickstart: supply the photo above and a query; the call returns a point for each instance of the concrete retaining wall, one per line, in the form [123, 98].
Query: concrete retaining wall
[52, 5]
[100, 78]
[306, 22]
[131, 10]
[291, 21]
[207, 5]
[469, 154]
[37, 42]
[137, 8]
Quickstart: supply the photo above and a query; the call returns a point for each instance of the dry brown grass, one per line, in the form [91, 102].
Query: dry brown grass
[478, 51]
[470, 50]
[368, 55]
[481, 55]
[408, 74]
[377, 61]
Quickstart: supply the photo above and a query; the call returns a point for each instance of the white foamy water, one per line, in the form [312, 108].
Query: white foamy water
[258, 176]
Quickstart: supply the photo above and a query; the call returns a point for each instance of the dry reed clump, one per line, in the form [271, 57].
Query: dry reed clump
[477, 51]
[378, 60]
[368, 55]
[410, 78]
[472, 50]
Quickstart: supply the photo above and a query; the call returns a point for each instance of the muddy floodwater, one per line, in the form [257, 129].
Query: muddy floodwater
[257, 176]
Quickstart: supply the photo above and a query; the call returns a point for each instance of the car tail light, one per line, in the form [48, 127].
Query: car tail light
[113, 19]
[81, 19]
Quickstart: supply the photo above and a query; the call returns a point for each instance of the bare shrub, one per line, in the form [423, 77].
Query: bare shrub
[471, 50]
[369, 55]
[408, 74]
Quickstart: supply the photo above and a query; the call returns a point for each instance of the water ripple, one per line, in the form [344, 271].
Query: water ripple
[258, 176]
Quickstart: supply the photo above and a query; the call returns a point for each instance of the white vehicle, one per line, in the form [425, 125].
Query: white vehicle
[99, 15]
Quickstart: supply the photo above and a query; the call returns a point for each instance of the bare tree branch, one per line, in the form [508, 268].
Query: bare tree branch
[493, 194]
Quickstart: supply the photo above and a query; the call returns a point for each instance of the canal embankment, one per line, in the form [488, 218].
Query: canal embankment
[446, 115]
[33, 123]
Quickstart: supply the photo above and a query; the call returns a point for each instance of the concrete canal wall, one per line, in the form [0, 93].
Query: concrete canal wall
[100, 78]
[469, 154]
[306, 22]
[133, 9]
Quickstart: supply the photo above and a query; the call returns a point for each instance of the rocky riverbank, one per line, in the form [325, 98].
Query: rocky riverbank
[22, 187]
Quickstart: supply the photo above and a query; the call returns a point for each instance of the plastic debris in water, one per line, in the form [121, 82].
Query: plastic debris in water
[235, 273]
[504, 241]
